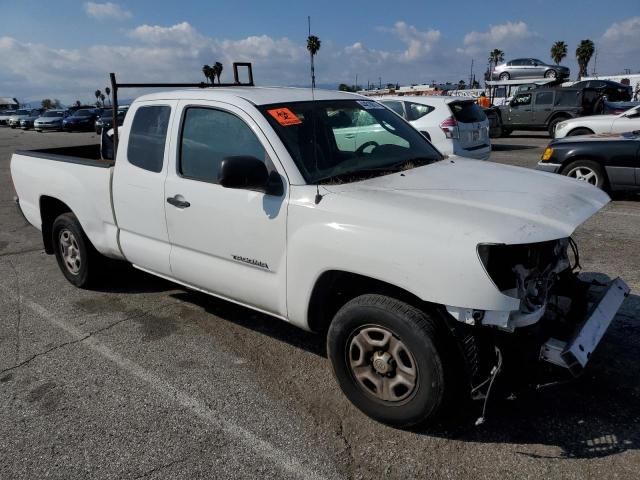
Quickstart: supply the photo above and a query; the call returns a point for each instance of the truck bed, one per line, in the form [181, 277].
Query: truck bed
[81, 154]
[78, 178]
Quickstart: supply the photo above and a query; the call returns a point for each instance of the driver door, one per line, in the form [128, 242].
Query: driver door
[230, 242]
[520, 111]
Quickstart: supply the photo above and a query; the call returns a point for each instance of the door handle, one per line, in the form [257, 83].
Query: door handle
[176, 202]
[350, 135]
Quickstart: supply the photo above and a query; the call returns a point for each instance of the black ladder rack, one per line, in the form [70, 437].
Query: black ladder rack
[115, 86]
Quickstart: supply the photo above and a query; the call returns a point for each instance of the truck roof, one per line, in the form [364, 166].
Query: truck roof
[255, 95]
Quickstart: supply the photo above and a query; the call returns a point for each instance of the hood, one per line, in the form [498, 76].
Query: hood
[478, 201]
[600, 137]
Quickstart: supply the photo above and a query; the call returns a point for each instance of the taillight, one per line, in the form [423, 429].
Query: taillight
[450, 127]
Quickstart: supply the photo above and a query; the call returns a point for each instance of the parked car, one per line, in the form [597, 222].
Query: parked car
[616, 108]
[455, 125]
[615, 92]
[83, 119]
[528, 68]
[50, 120]
[27, 122]
[14, 120]
[106, 119]
[541, 109]
[430, 275]
[610, 162]
[624, 122]
[5, 115]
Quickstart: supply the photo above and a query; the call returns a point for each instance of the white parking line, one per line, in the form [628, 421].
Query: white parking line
[266, 450]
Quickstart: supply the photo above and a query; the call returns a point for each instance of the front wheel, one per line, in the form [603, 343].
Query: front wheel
[550, 74]
[504, 76]
[386, 358]
[579, 131]
[587, 171]
[77, 258]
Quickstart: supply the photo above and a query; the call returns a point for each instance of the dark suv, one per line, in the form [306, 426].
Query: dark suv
[543, 108]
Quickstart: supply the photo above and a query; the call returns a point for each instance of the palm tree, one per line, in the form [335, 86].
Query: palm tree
[97, 93]
[558, 51]
[583, 55]
[313, 45]
[495, 57]
[461, 85]
[217, 70]
[208, 72]
[107, 90]
[102, 97]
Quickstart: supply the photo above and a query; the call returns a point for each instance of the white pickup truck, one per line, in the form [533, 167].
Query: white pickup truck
[428, 275]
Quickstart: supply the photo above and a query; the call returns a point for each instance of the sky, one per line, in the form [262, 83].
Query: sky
[65, 49]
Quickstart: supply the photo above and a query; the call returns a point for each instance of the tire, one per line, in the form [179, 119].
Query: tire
[77, 258]
[553, 123]
[588, 171]
[506, 132]
[550, 74]
[504, 76]
[408, 340]
[579, 131]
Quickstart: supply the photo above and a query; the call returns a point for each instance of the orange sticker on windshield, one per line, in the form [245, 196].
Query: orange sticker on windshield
[284, 116]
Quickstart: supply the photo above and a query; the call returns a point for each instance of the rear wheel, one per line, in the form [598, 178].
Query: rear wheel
[553, 123]
[579, 131]
[78, 260]
[504, 76]
[550, 74]
[385, 356]
[587, 171]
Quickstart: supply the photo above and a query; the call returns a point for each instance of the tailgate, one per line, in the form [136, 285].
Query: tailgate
[473, 126]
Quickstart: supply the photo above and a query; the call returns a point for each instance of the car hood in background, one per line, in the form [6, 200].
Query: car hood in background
[475, 201]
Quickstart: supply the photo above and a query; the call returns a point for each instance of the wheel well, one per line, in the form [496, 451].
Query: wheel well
[335, 288]
[50, 209]
[580, 128]
[559, 116]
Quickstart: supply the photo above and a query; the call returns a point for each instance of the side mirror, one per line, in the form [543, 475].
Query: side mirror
[244, 172]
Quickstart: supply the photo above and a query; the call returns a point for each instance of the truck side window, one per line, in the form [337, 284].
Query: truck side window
[147, 137]
[208, 136]
[544, 98]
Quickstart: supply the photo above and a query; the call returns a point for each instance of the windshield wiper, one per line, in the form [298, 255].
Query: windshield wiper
[393, 168]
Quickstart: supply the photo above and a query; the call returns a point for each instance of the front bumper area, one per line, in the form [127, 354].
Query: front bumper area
[549, 167]
[575, 353]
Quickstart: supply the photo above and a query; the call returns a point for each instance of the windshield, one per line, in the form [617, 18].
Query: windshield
[82, 113]
[52, 114]
[352, 138]
[22, 112]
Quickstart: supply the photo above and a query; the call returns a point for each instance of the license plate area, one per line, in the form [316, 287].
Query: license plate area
[575, 354]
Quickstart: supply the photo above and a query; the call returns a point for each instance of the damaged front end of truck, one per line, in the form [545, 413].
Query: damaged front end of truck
[561, 319]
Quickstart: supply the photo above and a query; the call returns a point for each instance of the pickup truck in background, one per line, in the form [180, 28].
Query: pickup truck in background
[543, 108]
[429, 276]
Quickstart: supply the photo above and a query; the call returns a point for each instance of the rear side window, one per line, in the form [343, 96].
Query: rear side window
[417, 110]
[544, 98]
[148, 136]
[208, 136]
[467, 112]
[567, 98]
[396, 107]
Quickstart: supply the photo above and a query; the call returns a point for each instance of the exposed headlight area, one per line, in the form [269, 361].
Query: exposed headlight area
[527, 272]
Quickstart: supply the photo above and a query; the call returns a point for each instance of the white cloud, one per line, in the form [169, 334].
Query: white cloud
[106, 11]
[418, 43]
[626, 31]
[181, 34]
[507, 36]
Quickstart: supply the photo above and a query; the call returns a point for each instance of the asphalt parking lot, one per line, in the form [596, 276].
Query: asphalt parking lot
[144, 379]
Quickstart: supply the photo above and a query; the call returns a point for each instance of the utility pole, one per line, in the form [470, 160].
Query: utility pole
[379, 83]
[471, 75]
[355, 87]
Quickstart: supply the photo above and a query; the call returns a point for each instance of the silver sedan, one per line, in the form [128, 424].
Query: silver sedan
[528, 68]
